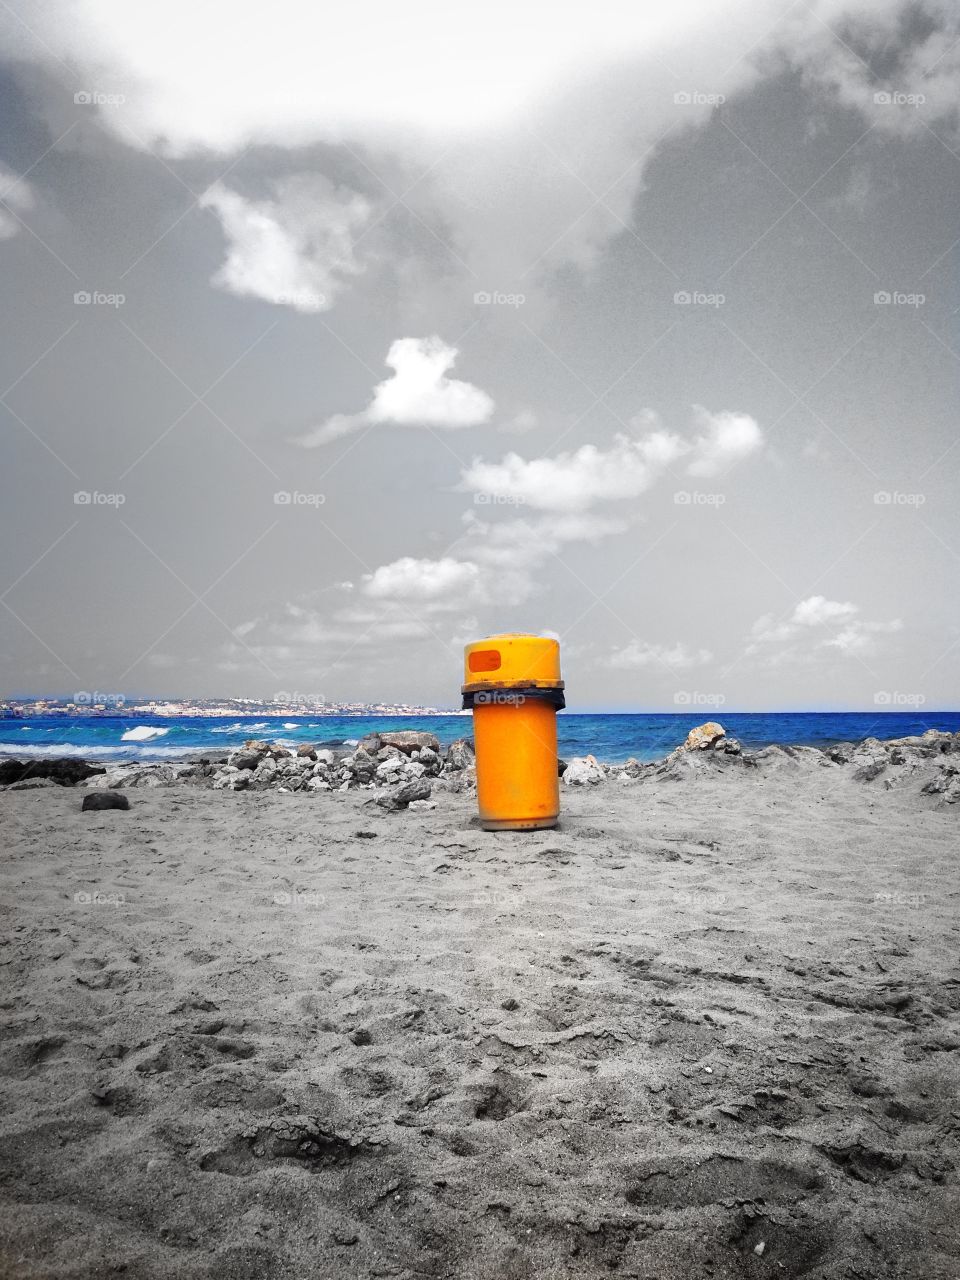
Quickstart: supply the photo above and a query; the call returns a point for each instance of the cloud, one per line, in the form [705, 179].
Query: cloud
[816, 624]
[578, 480]
[293, 250]
[639, 653]
[17, 195]
[895, 64]
[412, 579]
[726, 438]
[418, 393]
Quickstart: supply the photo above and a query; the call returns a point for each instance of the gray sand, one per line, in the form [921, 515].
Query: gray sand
[702, 1029]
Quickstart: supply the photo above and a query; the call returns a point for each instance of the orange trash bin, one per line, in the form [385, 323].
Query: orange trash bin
[512, 684]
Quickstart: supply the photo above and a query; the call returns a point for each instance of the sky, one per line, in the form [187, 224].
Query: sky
[336, 339]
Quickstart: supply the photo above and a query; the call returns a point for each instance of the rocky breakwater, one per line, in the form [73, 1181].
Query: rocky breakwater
[401, 768]
[928, 763]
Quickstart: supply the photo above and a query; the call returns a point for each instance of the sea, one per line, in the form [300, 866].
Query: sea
[610, 737]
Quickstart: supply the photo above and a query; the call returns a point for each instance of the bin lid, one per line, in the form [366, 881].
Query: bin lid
[512, 661]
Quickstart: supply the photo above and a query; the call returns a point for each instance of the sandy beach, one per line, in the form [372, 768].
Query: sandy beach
[707, 1027]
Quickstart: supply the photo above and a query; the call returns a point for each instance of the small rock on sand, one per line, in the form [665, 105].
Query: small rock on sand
[104, 800]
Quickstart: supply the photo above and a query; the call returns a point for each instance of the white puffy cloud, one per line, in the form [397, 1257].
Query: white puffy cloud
[17, 195]
[418, 393]
[640, 653]
[292, 250]
[815, 625]
[724, 440]
[412, 579]
[578, 480]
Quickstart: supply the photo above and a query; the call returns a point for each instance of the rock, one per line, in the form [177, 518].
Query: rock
[306, 750]
[65, 771]
[244, 759]
[430, 760]
[870, 769]
[581, 771]
[371, 743]
[460, 754]
[422, 804]
[361, 1036]
[31, 784]
[840, 752]
[729, 746]
[318, 784]
[104, 800]
[419, 789]
[561, 767]
[703, 736]
[389, 770]
[413, 769]
[324, 756]
[409, 740]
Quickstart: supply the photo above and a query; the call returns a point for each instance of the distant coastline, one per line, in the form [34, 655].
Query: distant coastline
[99, 705]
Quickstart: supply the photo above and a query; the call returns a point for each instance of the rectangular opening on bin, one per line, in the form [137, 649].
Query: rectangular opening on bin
[484, 660]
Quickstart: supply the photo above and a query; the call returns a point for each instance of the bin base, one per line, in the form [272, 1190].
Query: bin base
[518, 824]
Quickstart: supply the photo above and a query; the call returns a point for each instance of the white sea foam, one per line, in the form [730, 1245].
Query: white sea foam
[143, 733]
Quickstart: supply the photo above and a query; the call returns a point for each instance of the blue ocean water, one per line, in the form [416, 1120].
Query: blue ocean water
[609, 737]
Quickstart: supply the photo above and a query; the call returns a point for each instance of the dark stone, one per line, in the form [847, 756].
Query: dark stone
[460, 754]
[418, 789]
[361, 1036]
[66, 771]
[104, 800]
[409, 740]
[561, 768]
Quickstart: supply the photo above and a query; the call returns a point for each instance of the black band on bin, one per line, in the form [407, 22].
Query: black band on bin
[512, 697]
